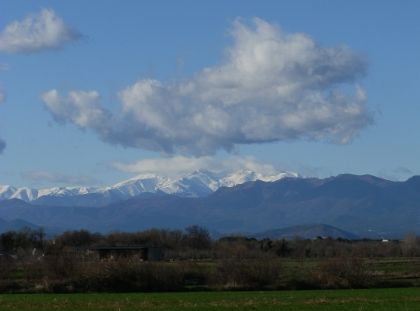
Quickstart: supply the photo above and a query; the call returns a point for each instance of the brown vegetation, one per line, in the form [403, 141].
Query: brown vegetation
[192, 261]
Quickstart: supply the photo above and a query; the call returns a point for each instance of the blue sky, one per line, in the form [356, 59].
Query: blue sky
[113, 45]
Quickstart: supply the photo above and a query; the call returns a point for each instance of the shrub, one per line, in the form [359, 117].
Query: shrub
[248, 274]
[343, 272]
[128, 275]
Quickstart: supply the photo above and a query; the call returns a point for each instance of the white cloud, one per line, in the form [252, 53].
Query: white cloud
[180, 165]
[172, 166]
[399, 173]
[36, 32]
[80, 108]
[41, 177]
[272, 86]
[39, 31]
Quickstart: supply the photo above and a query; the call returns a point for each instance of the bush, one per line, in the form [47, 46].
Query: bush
[63, 265]
[248, 274]
[344, 272]
[128, 275]
[7, 267]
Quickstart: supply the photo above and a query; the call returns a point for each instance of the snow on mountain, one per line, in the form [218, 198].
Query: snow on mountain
[197, 184]
[25, 194]
[65, 191]
[6, 192]
[243, 176]
[141, 184]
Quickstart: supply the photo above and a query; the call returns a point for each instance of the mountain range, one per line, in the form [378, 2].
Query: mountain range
[365, 205]
[197, 184]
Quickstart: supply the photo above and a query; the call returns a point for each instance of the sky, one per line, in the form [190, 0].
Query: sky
[94, 92]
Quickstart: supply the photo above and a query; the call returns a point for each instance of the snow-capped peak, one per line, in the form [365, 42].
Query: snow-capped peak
[6, 192]
[196, 184]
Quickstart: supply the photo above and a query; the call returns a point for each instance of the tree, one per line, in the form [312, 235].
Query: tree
[197, 237]
[410, 245]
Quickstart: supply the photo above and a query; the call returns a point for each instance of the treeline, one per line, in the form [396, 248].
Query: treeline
[195, 243]
[30, 262]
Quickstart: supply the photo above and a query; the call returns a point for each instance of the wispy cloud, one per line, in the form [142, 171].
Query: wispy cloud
[2, 142]
[3, 67]
[399, 173]
[36, 32]
[2, 145]
[180, 165]
[42, 177]
[272, 86]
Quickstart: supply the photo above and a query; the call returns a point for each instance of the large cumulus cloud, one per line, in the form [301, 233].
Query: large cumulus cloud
[271, 86]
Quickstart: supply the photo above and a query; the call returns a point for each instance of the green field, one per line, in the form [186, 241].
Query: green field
[370, 299]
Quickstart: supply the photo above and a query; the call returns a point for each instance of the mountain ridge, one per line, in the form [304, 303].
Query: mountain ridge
[366, 206]
[306, 231]
[196, 184]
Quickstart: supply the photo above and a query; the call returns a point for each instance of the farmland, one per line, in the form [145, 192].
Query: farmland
[366, 299]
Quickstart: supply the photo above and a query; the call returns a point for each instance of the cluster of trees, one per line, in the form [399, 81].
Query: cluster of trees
[192, 261]
[195, 243]
[25, 239]
[192, 238]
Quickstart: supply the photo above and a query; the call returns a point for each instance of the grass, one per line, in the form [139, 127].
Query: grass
[370, 299]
